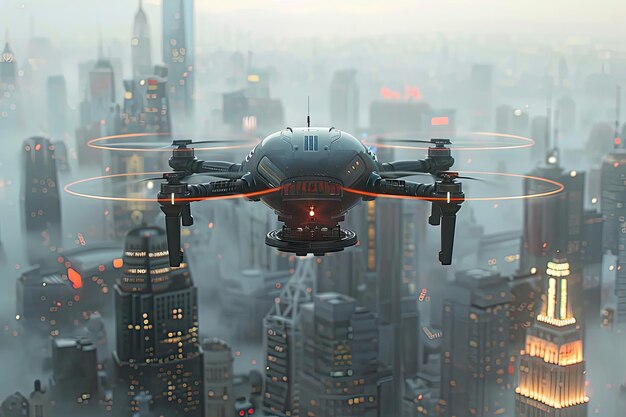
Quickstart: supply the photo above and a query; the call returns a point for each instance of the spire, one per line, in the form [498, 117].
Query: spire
[557, 309]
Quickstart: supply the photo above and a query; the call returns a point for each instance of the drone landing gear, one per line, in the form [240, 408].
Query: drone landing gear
[317, 241]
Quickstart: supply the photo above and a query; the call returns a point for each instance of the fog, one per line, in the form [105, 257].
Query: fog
[398, 46]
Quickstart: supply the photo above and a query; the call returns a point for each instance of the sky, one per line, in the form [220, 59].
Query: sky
[79, 20]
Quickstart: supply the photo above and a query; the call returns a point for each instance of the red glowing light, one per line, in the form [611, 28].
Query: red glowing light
[118, 263]
[37, 147]
[410, 92]
[250, 411]
[242, 413]
[60, 259]
[617, 141]
[439, 121]
[75, 278]
[615, 164]
[101, 268]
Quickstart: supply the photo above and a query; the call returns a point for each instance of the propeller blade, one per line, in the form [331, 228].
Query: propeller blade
[403, 140]
[448, 224]
[203, 142]
[400, 174]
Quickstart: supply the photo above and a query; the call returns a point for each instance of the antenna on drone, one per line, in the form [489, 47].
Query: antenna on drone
[308, 111]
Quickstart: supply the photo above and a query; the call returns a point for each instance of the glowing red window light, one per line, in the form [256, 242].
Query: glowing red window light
[242, 413]
[439, 121]
[75, 278]
[250, 411]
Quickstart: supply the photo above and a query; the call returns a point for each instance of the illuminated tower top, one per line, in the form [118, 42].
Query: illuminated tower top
[557, 309]
[8, 66]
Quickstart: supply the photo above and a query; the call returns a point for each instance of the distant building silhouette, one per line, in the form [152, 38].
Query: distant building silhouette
[140, 45]
[57, 105]
[344, 100]
[10, 100]
[40, 200]
[179, 56]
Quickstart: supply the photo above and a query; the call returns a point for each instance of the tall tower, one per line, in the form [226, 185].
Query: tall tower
[178, 55]
[340, 374]
[552, 368]
[9, 92]
[140, 45]
[474, 362]
[282, 340]
[344, 100]
[41, 205]
[613, 203]
[156, 313]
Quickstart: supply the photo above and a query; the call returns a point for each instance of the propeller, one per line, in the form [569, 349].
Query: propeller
[183, 143]
[400, 174]
[215, 174]
[435, 141]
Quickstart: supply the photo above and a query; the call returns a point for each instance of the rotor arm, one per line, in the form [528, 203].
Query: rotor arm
[421, 165]
[198, 166]
[218, 188]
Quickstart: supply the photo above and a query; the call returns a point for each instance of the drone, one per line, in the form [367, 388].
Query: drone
[311, 177]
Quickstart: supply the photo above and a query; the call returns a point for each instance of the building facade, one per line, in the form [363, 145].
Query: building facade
[156, 313]
[41, 203]
[218, 379]
[474, 366]
[340, 342]
[552, 367]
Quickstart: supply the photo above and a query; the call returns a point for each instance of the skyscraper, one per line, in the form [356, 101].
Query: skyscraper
[344, 100]
[475, 350]
[9, 91]
[283, 342]
[41, 204]
[157, 328]
[555, 222]
[140, 45]
[57, 105]
[178, 55]
[218, 379]
[74, 381]
[340, 375]
[613, 202]
[552, 368]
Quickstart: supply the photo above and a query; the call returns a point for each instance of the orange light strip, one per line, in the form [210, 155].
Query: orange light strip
[559, 187]
[524, 142]
[156, 200]
[95, 143]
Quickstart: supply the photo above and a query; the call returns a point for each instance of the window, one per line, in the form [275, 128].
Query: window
[311, 143]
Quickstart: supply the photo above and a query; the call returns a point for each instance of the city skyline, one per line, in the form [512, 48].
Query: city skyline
[224, 210]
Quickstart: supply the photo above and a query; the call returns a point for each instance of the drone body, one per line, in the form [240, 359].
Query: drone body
[310, 177]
